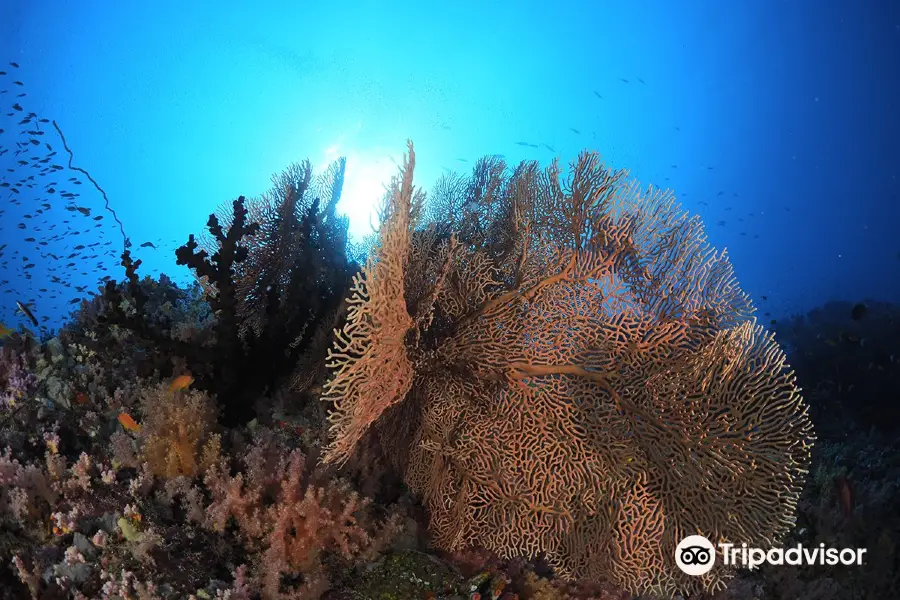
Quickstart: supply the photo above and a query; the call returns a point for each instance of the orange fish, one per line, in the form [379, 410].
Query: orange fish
[128, 423]
[180, 382]
[81, 398]
[844, 494]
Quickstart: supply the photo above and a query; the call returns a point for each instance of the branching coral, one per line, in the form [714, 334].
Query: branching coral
[129, 326]
[567, 367]
[69, 525]
[295, 514]
[219, 268]
[294, 277]
[16, 379]
[275, 272]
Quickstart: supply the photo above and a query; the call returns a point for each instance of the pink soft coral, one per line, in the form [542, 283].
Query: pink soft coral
[295, 514]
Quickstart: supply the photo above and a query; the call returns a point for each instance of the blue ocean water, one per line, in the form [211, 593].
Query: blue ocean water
[776, 121]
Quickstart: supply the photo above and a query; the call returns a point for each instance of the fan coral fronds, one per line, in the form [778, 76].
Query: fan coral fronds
[566, 367]
[362, 389]
[274, 271]
[277, 285]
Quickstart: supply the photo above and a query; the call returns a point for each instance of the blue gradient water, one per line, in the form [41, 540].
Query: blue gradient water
[779, 120]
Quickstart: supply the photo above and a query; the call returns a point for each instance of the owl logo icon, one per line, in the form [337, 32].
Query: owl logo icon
[695, 555]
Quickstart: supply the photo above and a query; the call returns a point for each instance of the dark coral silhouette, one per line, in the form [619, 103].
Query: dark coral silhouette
[275, 272]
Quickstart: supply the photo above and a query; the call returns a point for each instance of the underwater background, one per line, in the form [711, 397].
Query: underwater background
[776, 122]
[162, 422]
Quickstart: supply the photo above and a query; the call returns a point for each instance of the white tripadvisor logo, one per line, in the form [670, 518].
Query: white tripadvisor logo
[695, 555]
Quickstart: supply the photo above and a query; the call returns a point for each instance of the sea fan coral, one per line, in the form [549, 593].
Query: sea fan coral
[274, 272]
[566, 367]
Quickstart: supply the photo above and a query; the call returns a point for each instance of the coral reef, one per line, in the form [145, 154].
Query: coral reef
[846, 366]
[571, 371]
[872, 464]
[534, 386]
[274, 272]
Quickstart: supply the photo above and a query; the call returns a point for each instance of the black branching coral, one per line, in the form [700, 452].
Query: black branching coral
[276, 280]
[564, 366]
[275, 272]
[288, 279]
[219, 268]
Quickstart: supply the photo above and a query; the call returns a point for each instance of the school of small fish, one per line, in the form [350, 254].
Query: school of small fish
[750, 224]
[55, 246]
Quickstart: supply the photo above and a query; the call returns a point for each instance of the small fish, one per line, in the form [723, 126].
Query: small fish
[150, 244]
[25, 311]
[128, 422]
[5, 331]
[180, 383]
[845, 495]
[82, 398]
